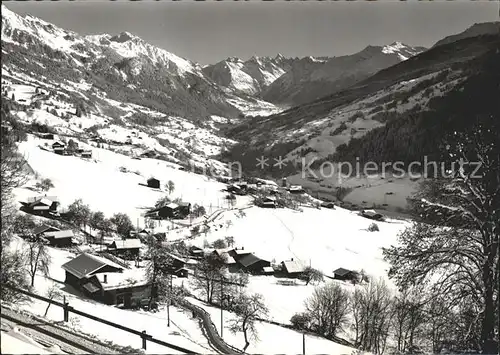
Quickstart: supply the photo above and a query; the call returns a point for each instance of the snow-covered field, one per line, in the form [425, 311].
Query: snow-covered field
[326, 239]
[273, 339]
[100, 183]
[323, 238]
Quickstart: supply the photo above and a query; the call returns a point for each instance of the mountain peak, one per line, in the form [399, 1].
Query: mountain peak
[124, 37]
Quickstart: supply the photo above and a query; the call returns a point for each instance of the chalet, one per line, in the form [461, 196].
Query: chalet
[238, 253]
[328, 205]
[292, 268]
[59, 238]
[196, 252]
[172, 210]
[236, 189]
[39, 231]
[180, 266]
[46, 136]
[153, 183]
[127, 248]
[86, 154]
[42, 205]
[59, 147]
[268, 202]
[149, 154]
[184, 209]
[296, 189]
[228, 259]
[107, 282]
[345, 275]
[372, 215]
[253, 264]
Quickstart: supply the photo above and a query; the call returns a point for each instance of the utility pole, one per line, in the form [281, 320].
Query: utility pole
[169, 301]
[221, 314]
[303, 343]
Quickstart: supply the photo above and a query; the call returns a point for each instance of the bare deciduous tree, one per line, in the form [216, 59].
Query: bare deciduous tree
[52, 293]
[328, 309]
[371, 307]
[207, 276]
[37, 258]
[248, 310]
[158, 268]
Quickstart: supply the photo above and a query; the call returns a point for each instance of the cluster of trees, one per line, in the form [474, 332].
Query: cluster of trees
[12, 175]
[82, 216]
[375, 317]
[44, 185]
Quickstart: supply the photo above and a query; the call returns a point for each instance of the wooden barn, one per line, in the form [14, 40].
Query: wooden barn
[345, 274]
[58, 238]
[153, 183]
[253, 264]
[42, 205]
[107, 282]
[180, 266]
[46, 135]
[39, 231]
[59, 147]
[296, 189]
[172, 210]
[292, 268]
[268, 202]
[372, 215]
[126, 248]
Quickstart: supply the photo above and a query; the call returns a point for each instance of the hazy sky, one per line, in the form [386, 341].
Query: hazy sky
[207, 32]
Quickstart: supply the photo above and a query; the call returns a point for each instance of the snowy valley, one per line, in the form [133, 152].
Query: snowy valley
[131, 197]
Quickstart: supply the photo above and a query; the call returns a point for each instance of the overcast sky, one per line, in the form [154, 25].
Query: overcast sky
[207, 32]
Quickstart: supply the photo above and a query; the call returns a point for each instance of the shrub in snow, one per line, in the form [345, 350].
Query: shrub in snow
[300, 321]
[373, 227]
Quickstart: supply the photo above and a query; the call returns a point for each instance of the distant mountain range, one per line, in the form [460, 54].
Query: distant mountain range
[382, 116]
[249, 77]
[311, 78]
[297, 107]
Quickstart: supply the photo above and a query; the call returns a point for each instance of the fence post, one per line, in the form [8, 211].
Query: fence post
[65, 309]
[143, 337]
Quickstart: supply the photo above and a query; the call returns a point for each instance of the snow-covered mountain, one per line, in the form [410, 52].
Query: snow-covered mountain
[311, 78]
[125, 66]
[248, 77]
[130, 46]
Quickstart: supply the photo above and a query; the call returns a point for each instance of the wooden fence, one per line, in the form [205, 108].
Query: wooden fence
[68, 309]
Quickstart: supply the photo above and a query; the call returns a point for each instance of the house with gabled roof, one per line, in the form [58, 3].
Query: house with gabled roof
[293, 268]
[59, 238]
[105, 281]
[38, 231]
[253, 264]
[41, 205]
[172, 210]
[153, 183]
[128, 248]
[345, 274]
